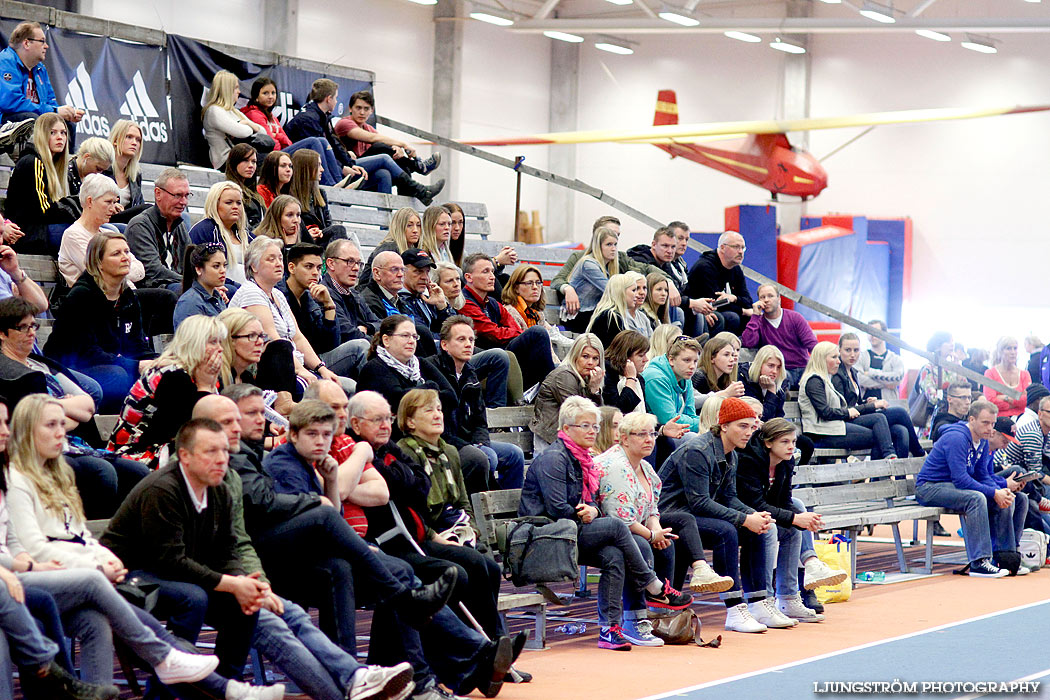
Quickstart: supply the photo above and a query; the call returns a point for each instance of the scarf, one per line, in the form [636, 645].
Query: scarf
[409, 370]
[532, 316]
[590, 474]
[427, 455]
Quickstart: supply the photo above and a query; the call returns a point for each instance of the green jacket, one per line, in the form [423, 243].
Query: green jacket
[626, 263]
[249, 558]
[666, 396]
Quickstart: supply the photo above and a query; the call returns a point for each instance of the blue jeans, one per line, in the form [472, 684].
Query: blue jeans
[104, 483]
[382, 173]
[21, 641]
[738, 553]
[93, 388]
[533, 350]
[905, 440]
[494, 367]
[49, 619]
[607, 544]
[303, 653]
[987, 528]
[507, 462]
[870, 431]
[793, 375]
[783, 547]
[333, 171]
[95, 612]
[347, 359]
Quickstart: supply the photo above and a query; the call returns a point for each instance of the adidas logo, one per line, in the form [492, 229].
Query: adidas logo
[139, 107]
[284, 110]
[80, 94]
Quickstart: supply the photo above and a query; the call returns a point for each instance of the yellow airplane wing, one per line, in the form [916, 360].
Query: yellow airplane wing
[691, 133]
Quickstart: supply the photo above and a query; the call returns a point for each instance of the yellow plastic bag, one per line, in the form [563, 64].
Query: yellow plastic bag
[836, 554]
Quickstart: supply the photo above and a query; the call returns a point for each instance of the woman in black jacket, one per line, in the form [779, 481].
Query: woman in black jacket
[620, 308]
[98, 328]
[393, 368]
[764, 381]
[36, 186]
[771, 451]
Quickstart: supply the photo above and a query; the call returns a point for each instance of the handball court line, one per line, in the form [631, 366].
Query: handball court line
[688, 691]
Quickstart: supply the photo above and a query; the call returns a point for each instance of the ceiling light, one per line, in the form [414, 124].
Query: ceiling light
[743, 36]
[491, 19]
[781, 45]
[678, 16]
[614, 45]
[628, 2]
[425, 2]
[878, 13]
[832, 2]
[1033, 0]
[930, 34]
[980, 44]
[562, 36]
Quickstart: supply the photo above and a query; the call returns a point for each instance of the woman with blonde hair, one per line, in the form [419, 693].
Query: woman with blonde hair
[450, 278]
[37, 183]
[608, 433]
[620, 308]
[225, 125]
[282, 220]
[162, 399]
[225, 222]
[1004, 369]
[581, 373]
[591, 274]
[126, 137]
[248, 357]
[406, 230]
[437, 231]
[94, 156]
[661, 339]
[657, 305]
[765, 383]
[827, 420]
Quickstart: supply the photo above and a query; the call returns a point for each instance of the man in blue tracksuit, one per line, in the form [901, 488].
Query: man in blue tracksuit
[25, 88]
[958, 474]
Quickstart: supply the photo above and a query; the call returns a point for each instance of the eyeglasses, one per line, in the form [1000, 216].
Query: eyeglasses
[532, 283]
[351, 262]
[386, 420]
[585, 427]
[648, 434]
[252, 337]
[26, 327]
[736, 246]
[964, 397]
[395, 270]
[172, 194]
[406, 336]
[42, 41]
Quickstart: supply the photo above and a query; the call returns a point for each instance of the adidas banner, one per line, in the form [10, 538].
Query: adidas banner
[192, 66]
[110, 80]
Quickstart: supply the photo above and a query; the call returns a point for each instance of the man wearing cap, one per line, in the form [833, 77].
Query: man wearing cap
[1034, 393]
[423, 300]
[700, 478]
[958, 475]
[315, 312]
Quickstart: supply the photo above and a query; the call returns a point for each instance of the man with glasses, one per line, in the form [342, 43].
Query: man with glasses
[960, 395]
[717, 275]
[157, 236]
[25, 88]
[342, 271]
[383, 296]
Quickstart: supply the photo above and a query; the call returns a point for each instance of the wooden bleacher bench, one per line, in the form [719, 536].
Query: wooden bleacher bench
[490, 509]
[852, 495]
[511, 425]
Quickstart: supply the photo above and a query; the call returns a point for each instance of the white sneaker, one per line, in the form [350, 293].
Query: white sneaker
[236, 690]
[640, 633]
[705, 580]
[1023, 570]
[820, 574]
[387, 683]
[739, 619]
[793, 607]
[180, 667]
[765, 611]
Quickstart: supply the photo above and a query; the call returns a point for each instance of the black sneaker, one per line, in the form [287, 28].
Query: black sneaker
[984, 568]
[810, 600]
[15, 136]
[939, 531]
[425, 167]
[58, 684]
[422, 603]
[668, 599]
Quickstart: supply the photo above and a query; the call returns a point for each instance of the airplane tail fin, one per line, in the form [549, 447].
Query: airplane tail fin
[666, 108]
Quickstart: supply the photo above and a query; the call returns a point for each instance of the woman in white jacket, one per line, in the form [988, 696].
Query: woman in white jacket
[224, 124]
[879, 369]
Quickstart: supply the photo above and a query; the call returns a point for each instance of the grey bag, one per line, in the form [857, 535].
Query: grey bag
[538, 550]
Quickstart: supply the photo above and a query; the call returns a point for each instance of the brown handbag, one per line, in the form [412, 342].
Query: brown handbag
[682, 629]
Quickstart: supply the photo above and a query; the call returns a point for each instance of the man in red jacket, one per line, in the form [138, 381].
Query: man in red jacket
[494, 326]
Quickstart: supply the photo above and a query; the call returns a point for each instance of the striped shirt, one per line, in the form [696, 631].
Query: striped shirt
[1032, 452]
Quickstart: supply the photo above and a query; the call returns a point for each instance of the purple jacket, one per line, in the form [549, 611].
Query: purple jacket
[794, 337]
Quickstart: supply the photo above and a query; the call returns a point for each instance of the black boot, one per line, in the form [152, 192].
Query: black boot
[809, 598]
[407, 187]
[420, 604]
[58, 684]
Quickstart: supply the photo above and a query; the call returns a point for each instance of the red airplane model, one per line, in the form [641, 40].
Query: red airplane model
[754, 151]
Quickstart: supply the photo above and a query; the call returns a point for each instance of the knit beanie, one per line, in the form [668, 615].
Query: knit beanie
[734, 409]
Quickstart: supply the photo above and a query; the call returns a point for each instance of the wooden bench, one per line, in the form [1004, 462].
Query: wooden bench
[853, 495]
[511, 425]
[490, 509]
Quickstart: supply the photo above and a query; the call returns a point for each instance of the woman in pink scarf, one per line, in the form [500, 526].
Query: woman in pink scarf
[562, 483]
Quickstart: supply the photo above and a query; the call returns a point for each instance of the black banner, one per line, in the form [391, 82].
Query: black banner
[192, 66]
[110, 79]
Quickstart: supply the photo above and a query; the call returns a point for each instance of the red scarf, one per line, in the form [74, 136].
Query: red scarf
[590, 474]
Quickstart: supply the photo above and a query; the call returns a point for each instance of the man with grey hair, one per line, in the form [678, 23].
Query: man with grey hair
[717, 275]
[342, 270]
[157, 236]
[382, 295]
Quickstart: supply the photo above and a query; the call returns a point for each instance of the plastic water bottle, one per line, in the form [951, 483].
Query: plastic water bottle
[269, 397]
[572, 628]
[872, 576]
